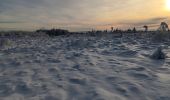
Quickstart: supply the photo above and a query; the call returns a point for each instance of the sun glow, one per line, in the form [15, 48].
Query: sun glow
[168, 4]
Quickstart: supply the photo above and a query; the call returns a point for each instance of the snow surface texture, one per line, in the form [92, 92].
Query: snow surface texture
[83, 68]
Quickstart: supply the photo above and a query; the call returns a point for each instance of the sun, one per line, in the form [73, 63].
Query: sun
[168, 4]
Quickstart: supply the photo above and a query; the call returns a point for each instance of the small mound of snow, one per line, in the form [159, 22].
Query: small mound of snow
[158, 54]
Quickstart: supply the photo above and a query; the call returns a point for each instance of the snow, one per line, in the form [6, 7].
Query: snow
[83, 68]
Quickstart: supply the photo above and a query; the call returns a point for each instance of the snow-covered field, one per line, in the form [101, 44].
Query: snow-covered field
[83, 68]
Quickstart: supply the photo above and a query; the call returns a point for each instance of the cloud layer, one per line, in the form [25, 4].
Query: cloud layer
[76, 14]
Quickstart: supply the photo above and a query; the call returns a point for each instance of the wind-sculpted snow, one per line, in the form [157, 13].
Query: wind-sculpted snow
[83, 68]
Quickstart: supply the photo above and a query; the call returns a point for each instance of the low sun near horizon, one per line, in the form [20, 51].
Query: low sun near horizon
[168, 4]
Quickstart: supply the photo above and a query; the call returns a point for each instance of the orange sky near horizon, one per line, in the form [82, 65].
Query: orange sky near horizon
[140, 12]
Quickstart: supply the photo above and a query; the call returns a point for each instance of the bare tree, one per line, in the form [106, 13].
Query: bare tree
[146, 28]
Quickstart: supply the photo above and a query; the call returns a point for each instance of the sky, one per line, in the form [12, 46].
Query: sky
[81, 15]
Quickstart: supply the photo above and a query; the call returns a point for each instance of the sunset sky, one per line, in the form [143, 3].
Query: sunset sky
[81, 15]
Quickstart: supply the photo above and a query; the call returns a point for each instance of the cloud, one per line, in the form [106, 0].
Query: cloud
[158, 19]
[59, 9]
[151, 21]
[70, 13]
[10, 22]
[44, 12]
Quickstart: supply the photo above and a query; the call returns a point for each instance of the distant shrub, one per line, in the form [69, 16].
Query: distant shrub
[57, 32]
[54, 32]
[4, 42]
